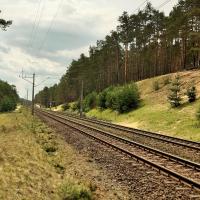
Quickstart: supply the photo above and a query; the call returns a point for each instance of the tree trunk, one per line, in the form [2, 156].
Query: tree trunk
[126, 63]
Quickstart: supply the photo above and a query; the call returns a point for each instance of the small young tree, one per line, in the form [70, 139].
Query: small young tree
[191, 93]
[174, 96]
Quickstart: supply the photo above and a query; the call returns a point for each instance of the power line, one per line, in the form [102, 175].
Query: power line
[34, 25]
[140, 5]
[163, 4]
[38, 22]
[51, 25]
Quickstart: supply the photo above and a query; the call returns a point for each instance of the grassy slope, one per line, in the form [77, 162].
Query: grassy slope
[155, 113]
[35, 163]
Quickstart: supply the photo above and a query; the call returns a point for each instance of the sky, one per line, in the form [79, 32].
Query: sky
[46, 35]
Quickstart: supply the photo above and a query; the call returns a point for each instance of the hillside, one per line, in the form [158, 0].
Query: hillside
[155, 113]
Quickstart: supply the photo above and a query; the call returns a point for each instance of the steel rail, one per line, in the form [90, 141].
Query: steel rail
[145, 147]
[164, 138]
[153, 164]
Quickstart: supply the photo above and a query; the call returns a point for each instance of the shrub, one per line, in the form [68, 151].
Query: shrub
[156, 85]
[90, 101]
[8, 97]
[75, 106]
[73, 191]
[111, 98]
[126, 98]
[7, 104]
[50, 148]
[65, 106]
[101, 98]
[174, 96]
[121, 98]
[191, 93]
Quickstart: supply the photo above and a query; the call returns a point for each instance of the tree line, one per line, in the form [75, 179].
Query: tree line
[144, 45]
[8, 97]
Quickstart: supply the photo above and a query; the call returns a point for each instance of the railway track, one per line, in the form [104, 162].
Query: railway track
[152, 135]
[180, 147]
[179, 168]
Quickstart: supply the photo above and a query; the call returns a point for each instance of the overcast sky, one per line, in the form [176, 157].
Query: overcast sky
[76, 25]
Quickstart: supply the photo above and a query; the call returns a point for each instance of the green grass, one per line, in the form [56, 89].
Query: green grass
[180, 122]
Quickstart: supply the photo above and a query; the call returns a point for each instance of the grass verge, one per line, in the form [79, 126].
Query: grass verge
[36, 163]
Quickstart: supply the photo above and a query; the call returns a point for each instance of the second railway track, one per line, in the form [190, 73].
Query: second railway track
[184, 170]
[153, 135]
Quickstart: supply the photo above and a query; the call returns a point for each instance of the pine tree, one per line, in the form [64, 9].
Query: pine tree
[174, 96]
[191, 93]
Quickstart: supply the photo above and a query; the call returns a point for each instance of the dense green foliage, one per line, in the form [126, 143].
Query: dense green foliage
[174, 96]
[122, 98]
[8, 97]
[90, 101]
[119, 98]
[144, 45]
[191, 93]
[102, 101]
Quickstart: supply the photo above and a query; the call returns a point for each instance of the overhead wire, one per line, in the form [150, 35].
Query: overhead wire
[163, 4]
[34, 24]
[140, 5]
[50, 25]
[38, 22]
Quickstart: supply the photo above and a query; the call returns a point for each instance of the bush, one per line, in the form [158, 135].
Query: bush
[65, 106]
[126, 98]
[101, 98]
[191, 93]
[156, 85]
[75, 106]
[8, 97]
[111, 98]
[7, 104]
[73, 191]
[121, 98]
[90, 101]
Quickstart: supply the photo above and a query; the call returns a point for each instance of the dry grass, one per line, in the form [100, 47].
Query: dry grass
[35, 163]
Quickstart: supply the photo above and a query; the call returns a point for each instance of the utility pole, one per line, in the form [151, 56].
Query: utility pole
[24, 77]
[33, 94]
[81, 100]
